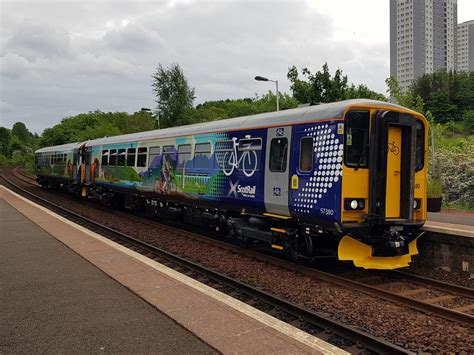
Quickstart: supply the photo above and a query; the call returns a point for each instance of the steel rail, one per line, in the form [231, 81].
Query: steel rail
[358, 337]
[418, 305]
[440, 285]
[352, 284]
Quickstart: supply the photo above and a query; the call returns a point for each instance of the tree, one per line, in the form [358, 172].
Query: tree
[19, 130]
[5, 139]
[173, 95]
[447, 94]
[323, 87]
[404, 98]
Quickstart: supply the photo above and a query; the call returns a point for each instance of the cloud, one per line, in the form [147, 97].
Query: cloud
[63, 58]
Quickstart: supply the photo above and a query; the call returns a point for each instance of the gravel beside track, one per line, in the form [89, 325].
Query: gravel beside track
[463, 279]
[413, 330]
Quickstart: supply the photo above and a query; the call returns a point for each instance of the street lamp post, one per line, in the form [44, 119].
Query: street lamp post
[155, 115]
[261, 78]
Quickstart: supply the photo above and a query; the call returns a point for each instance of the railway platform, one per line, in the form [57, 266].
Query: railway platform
[64, 288]
[448, 242]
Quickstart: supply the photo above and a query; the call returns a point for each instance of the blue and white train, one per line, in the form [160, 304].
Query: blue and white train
[345, 178]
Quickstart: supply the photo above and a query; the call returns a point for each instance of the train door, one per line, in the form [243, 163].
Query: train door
[392, 165]
[277, 170]
[394, 168]
[75, 164]
[87, 163]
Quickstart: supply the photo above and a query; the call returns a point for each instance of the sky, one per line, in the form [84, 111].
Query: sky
[62, 58]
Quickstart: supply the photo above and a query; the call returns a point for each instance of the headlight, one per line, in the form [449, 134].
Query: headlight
[416, 204]
[354, 204]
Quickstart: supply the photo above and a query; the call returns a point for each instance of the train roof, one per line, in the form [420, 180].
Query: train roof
[295, 116]
[59, 148]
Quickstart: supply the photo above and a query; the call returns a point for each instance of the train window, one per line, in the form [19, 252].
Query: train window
[131, 153]
[113, 157]
[168, 149]
[420, 146]
[121, 157]
[202, 150]
[154, 153]
[202, 156]
[278, 154]
[105, 158]
[184, 154]
[250, 144]
[141, 157]
[306, 154]
[356, 147]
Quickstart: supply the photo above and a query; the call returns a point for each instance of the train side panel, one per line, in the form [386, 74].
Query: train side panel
[316, 171]
[219, 168]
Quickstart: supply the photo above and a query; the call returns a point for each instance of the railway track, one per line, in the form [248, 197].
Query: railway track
[412, 286]
[352, 339]
[416, 292]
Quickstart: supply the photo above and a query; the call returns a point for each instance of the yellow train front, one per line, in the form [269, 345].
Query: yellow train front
[383, 204]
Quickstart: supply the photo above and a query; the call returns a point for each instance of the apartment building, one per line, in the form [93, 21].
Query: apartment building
[423, 36]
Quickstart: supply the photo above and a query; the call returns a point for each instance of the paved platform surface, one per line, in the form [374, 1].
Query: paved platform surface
[53, 300]
[464, 218]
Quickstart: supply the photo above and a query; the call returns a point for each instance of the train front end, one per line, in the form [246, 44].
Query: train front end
[383, 204]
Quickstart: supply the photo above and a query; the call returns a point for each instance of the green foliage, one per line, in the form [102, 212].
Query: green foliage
[468, 122]
[96, 124]
[322, 87]
[404, 98]
[435, 188]
[453, 165]
[217, 110]
[173, 95]
[5, 140]
[19, 130]
[17, 145]
[447, 95]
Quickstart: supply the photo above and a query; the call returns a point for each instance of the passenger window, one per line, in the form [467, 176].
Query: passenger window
[202, 155]
[202, 150]
[168, 149]
[113, 157]
[357, 139]
[141, 157]
[131, 152]
[154, 152]
[184, 154]
[121, 157]
[278, 153]
[105, 157]
[306, 154]
[420, 145]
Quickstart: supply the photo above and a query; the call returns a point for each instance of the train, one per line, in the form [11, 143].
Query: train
[346, 180]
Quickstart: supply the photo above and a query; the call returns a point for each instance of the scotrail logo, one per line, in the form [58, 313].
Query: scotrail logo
[244, 191]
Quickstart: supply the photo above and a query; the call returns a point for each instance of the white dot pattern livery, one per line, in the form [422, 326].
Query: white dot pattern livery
[328, 150]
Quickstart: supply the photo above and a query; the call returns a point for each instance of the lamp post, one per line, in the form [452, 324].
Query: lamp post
[261, 78]
[155, 115]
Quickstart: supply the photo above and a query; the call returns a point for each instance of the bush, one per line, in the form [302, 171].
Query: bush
[435, 188]
[457, 174]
